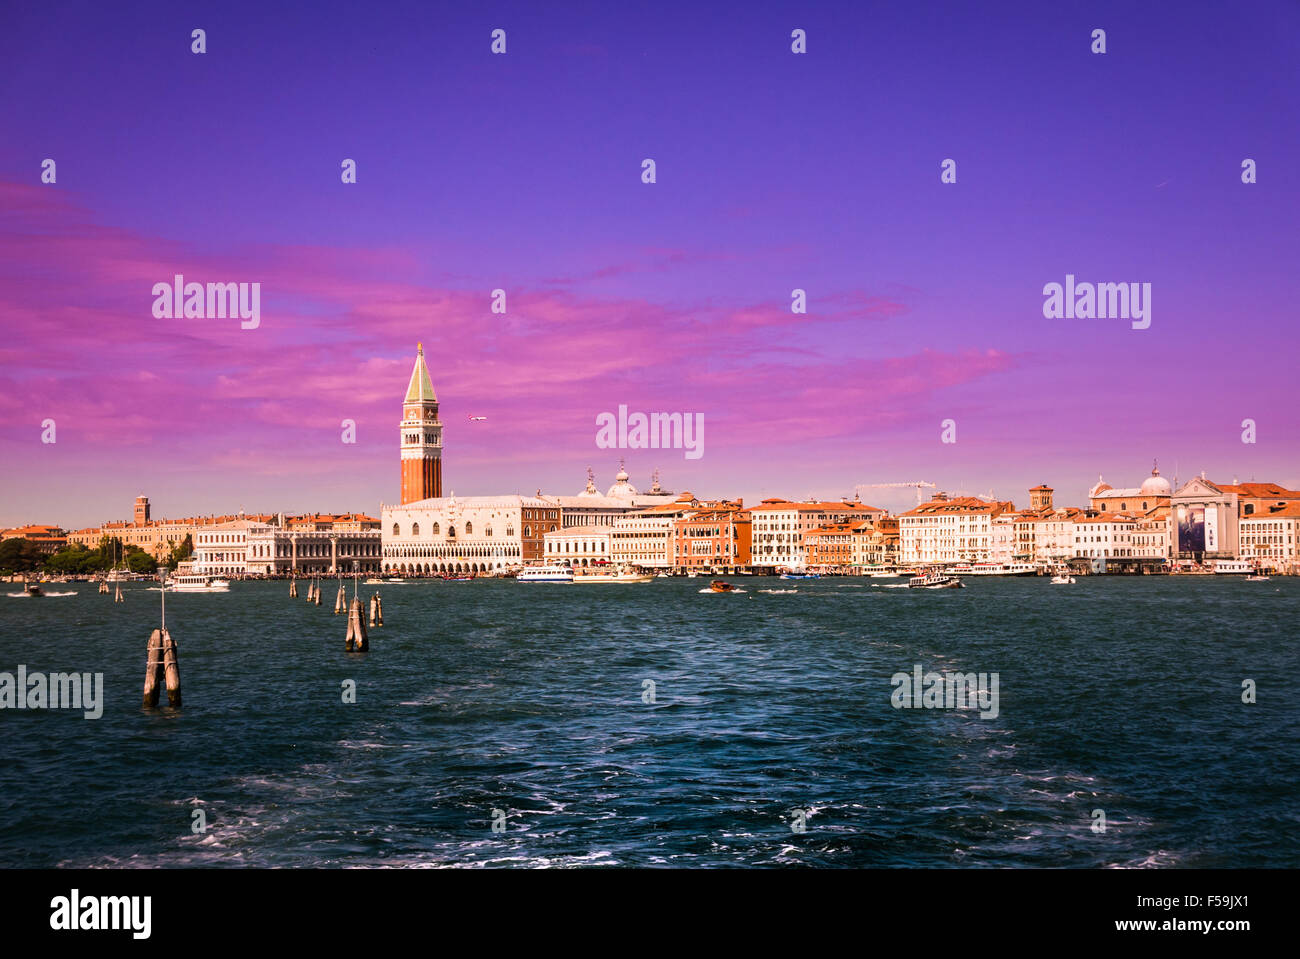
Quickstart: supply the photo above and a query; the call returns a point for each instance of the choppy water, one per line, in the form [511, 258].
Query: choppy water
[1116, 694]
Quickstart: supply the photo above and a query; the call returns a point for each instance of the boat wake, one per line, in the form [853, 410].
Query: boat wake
[726, 592]
[777, 592]
[43, 595]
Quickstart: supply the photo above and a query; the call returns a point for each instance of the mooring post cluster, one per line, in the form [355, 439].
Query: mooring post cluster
[293, 587]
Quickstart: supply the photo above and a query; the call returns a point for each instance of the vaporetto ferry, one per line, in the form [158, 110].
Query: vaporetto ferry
[545, 574]
[995, 569]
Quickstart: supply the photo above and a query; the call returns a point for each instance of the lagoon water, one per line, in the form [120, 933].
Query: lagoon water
[1115, 694]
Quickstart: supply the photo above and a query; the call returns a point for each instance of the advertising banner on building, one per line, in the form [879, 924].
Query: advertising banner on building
[1211, 530]
[1191, 529]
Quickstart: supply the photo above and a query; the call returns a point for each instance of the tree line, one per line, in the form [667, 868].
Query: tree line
[18, 555]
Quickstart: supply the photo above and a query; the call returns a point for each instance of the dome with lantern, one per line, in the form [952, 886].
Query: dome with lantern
[622, 489]
[1155, 484]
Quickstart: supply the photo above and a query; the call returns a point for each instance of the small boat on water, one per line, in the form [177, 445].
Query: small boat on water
[1062, 578]
[545, 574]
[789, 575]
[935, 580]
[32, 589]
[721, 586]
[1257, 578]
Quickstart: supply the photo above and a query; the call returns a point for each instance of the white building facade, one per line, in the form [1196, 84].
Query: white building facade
[473, 534]
[779, 527]
[950, 530]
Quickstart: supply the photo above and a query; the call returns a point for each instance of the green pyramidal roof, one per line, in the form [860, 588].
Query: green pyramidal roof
[421, 387]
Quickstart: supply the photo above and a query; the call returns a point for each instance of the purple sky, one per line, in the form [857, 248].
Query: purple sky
[522, 171]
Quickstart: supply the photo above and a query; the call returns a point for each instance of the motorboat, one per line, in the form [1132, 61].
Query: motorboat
[1062, 578]
[1257, 578]
[789, 575]
[721, 586]
[935, 580]
[545, 574]
[32, 589]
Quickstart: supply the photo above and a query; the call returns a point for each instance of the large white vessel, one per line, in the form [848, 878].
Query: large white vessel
[620, 575]
[995, 569]
[186, 580]
[545, 574]
[1234, 567]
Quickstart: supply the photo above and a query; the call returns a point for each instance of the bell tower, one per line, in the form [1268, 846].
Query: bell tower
[421, 436]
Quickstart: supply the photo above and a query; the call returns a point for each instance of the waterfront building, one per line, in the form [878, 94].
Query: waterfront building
[645, 537]
[1054, 535]
[715, 537]
[470, 534]
[222, 550]
[1270, 537]
[1099, 537]
[577, 546]
[876, 542]
[316, 544]
[157, 536]
[1003, 532]
[421, 434]
[779, 527]
[948, 530]
[48, 539]
[832, 548]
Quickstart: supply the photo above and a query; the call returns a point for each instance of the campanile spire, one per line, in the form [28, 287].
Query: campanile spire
[421, 434]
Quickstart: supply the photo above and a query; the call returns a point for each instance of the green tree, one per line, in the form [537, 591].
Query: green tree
[18, 555]
[68, 560]
[180, 552]
[139, 561]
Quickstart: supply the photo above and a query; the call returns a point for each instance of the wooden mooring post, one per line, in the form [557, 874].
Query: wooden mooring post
[340, 604]
[358, 640]
[293, 588]
[163, 666]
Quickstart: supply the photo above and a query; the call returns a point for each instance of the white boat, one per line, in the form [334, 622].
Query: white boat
[597, 575]
[1232, 567]
[545, 574]
[1257, 578]
[1062, 579]
[996, 569]
[934, 580]
[187, 581]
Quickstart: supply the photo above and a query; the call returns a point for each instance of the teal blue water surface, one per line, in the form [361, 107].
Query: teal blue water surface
[525, 704]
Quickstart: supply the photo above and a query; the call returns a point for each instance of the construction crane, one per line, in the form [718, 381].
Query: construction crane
[919, 484]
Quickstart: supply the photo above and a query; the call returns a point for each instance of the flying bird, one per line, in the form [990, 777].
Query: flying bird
[478, 417]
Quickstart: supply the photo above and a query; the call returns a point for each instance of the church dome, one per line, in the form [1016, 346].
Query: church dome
[1156, 485]
[622, 489]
